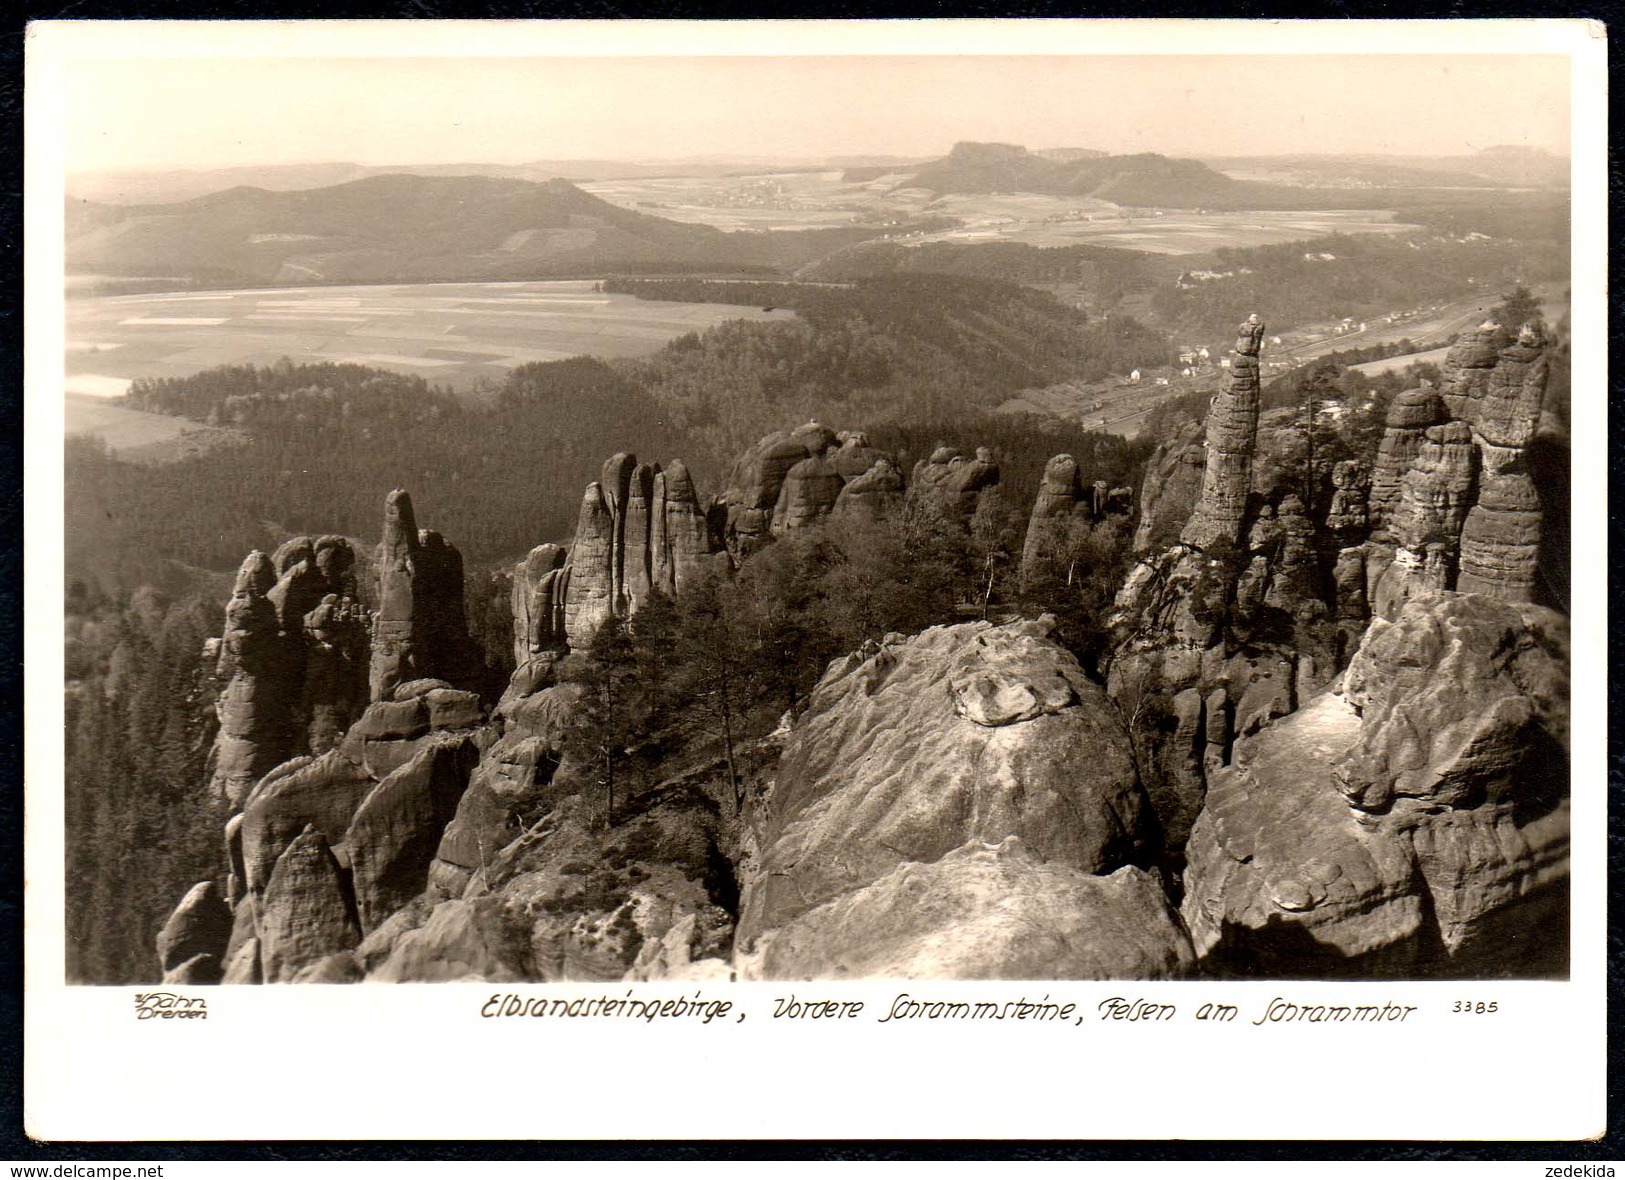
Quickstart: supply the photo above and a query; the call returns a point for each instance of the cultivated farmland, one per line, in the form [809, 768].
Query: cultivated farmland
[1058, 221]
[810, 200]
[450, 333]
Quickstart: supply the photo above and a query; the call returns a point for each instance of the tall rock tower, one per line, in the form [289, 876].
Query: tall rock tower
[1232, 436]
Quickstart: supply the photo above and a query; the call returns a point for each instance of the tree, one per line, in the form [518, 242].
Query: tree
[1518, 307]
[609, 721]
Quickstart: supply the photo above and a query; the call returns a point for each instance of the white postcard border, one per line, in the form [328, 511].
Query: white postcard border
[420, 1061]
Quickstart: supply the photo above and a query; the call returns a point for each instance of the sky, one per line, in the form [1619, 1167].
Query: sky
[215, 111]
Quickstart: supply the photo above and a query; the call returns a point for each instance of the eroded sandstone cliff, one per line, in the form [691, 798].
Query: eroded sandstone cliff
[962, 803]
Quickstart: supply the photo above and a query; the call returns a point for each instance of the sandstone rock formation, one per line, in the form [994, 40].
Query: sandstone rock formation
[1263, 601]
[872, 494]
[1232, 433]
[808, 495]
[293, 657]
[643, 530]
[538, 602]
[950, 483]
[1500, 539]
[1253, 611]
[968, 780]
[1170, 488]
[1467, 370]
[1467, 515]
[792, 479]
[1063, 508]
[1351, 484]
[254, 705]
[590, 601]
[304, 916]
[640, 530]
[396, 630]
[685, 535]
[965, 803]
[1410, 415]
[327, 847]
[301, 752]
[192, 944]
[419, 627]
[1415, 824]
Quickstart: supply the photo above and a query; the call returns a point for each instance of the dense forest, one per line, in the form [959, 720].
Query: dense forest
[1363, 275]
[913, 345]
[1105, 274]
[885, 350]
[326, 442]
[139, 829]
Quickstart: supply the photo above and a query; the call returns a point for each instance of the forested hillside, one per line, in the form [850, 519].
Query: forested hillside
[906, 356]
[903, 348]
[1196, 294]
[328, 441]
[140, 719]
[1105, 274]
[404, 228]
[1347, 275]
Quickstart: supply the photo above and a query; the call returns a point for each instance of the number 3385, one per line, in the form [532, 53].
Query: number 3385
[1477, 1007]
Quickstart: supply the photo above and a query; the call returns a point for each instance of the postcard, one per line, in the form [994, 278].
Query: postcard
[943, 579]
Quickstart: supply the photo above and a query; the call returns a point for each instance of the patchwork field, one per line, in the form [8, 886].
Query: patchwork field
[807, 200]
[1053, 221]
[450, 333]
[771, 200]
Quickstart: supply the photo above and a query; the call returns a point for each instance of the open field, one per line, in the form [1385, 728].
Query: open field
[449, 333]
[1433, 356]
[1054, 223]
[807, 200]
[138, 435]
[768, 201]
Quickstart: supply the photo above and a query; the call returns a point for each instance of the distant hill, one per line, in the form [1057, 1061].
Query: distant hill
[408, 228]
[165, 187]
[1145, 179]
[156, 187]
[1239, 182]
[1066, 154]
[1496, 167]
[1522, 167]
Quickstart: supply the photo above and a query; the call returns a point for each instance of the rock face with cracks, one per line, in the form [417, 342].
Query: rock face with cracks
[1415, 824]
[792, 479]
[293, 658]
[964, 803]
[925, 778]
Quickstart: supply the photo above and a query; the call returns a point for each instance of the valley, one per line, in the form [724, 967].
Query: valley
[717, 717]
[455, 334]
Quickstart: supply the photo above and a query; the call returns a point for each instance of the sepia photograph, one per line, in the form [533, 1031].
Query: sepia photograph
[706, 517]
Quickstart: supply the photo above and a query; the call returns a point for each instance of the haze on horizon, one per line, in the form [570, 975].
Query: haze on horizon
[153, 114]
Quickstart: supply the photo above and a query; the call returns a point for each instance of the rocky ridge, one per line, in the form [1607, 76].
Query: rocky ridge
[1260, 603]
[1415, 823]
[963, 803]
[382, 815]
